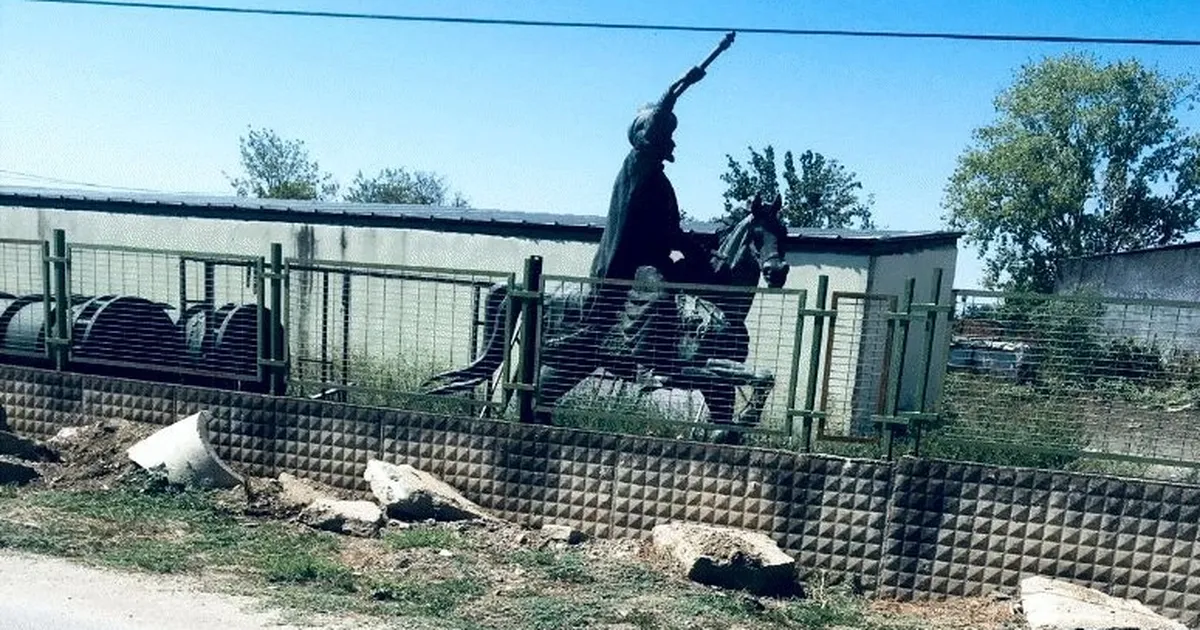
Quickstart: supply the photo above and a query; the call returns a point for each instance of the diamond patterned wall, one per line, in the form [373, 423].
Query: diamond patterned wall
[326, 443]
[914, 529]
[840, 507]
[40, 402]
[242, 430]
[527, 474]
[136, 401]
[961, 529]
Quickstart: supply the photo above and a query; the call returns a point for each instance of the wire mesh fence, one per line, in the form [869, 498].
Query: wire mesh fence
[1047, 379]
[187, 313]
[656, 357]
[381, 334]
[856, 365]
[23, 298]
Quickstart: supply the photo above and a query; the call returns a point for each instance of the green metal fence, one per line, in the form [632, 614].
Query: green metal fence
[1041, 380]
[24, 297]
[376, 333]
[1046, 380]
[183, 312]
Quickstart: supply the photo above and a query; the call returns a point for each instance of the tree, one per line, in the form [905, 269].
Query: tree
[277, 168]
[821, 194]
[1082, 159]
[401, 187]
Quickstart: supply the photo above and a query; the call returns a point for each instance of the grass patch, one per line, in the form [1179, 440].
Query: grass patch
[428, 598]
[35, 539]
[566, 566]
[423, 538]
[308, 569]
[387, 382]
[556, 613]
[488, 583]
[155, 556]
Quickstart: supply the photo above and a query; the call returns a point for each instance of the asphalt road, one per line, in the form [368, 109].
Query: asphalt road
[40, 593]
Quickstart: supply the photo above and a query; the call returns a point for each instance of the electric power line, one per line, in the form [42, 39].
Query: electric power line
[1058, 39]
[68, 182]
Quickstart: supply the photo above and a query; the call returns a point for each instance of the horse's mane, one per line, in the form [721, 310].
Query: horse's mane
[728, 223]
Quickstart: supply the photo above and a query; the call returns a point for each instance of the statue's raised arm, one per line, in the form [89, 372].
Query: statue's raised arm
[643, 224]
[693, 75]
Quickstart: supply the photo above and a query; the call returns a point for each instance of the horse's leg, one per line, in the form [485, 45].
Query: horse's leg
[720, 398]
[554, 381]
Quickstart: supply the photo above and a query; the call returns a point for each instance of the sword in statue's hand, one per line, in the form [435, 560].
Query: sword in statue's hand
[696, 73]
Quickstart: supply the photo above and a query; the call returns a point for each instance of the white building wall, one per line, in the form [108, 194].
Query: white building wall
[888, 276]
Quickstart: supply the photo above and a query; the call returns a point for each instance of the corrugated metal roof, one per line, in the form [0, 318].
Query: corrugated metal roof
[1145, 250]
[329, 211]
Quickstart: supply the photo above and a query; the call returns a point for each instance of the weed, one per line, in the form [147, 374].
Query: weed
[826, 606]
[558, 567]
[555, 613]
[427, 597]
[36, 539]
[156, 556]
[423, 538]
[308, 569]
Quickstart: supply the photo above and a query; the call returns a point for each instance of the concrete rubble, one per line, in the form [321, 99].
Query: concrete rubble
[17, 454]
[296, 494]
[408, 494]
[183, 450]
[16, 472]
[16, 446]
[320, 511]
[1050, 604]
[726, 557]
[353, 518]
[562, 533]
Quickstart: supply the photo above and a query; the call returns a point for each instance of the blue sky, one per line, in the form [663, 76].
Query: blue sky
[531, 118]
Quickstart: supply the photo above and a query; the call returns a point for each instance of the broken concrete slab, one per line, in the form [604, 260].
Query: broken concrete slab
[409, 494]
[14, 472]
[1051, 604]
[184, 451]
[562, 533]
[296, 493]
[24, 448]
[727, 557]
[354, 518]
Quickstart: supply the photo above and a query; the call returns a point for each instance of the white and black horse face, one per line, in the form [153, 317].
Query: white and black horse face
[768, 233]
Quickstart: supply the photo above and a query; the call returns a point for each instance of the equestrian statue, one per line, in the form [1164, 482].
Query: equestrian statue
[632, 319]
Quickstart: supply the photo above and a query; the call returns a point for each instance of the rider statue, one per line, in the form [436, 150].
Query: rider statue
[643, 227]
[641, 235]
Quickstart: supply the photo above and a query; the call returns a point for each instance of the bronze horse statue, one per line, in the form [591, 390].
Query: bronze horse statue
[694, 337]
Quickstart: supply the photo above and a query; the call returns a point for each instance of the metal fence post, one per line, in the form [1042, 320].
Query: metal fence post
[814, 363]
[901, 319]
[931, 317]
[531, 317]
[47, 300]
[61, 339]
[263, 373]
[794, 373]
[277, 350]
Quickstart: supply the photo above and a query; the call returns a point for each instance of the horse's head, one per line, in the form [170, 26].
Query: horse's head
[754, 245]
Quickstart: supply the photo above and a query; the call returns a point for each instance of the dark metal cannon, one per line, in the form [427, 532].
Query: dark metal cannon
[126, 335]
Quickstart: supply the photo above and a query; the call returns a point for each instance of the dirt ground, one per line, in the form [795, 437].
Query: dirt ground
[97, 507]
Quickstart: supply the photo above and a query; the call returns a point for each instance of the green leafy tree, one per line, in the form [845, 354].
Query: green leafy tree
[821, 193]
[278, 168]
[1082, 159]
[399, 186]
